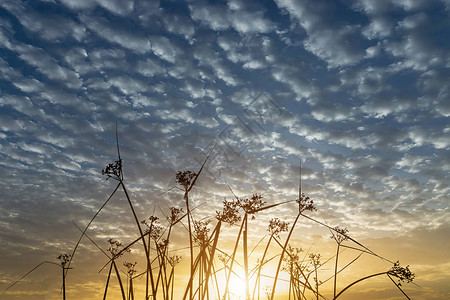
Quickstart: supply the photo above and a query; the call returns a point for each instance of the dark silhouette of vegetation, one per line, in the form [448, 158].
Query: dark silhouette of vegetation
[204, 253]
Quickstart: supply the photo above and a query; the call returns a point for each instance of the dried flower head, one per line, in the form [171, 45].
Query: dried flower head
[293, 262]
[252, 205]
[174, 260]
[64, 259]
[201, 232]
[402, 273]
[305, 204]
[315, 259]
[184, 178]
[131, 268]
[113, 170]
[163, 244]
[114, 248]
[276, 226]
[230, 212]
[175, 213]
[155, 232]
[224, 258]
[339, 234]
[152, 219]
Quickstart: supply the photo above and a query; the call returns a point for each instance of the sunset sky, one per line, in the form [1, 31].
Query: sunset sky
[358, 90]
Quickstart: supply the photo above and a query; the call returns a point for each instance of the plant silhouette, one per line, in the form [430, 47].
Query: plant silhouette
[211, 268]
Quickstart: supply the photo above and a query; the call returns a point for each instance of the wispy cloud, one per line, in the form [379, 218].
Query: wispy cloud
[358, 90]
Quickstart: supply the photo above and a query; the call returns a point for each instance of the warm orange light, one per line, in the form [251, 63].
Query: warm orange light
[237, 287]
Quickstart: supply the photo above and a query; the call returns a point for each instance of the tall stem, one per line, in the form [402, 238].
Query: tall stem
[107, 281]
[64, 283]
[335, 270]
[191, 248]
[211, 255]
[317, 284]
[232, 258]
[149, 268]
[281, 257]
[120, 280]
[355, 282]
[246, 257]
[257, 282]
[136, 219]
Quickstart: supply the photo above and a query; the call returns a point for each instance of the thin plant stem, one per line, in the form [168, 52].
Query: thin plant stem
[398, 286]
[257, 282]
[232, 257]
[213, 251]
[120, 280]
[246, 257]
[335, 270]
[191, 248]
[107, 282]
[281, 257]
[359, 280]
[89, 224]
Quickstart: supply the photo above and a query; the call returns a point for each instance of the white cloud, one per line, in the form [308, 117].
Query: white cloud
[207, 57]
[114, 6]
[150, 67]
[213, 16]
[424, 135]
[358, 90]
[49, 66]
[164, 48]
[179, 24]
[77, 58]
[379, 27]
[132, 40]
[128, 85]
[323, 30]
[49, 27]
[417, 45]
[236, 15]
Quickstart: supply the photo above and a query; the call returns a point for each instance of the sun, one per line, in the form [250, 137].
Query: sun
[237, 287]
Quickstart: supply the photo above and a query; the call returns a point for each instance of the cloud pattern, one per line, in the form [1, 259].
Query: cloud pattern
[359, 90]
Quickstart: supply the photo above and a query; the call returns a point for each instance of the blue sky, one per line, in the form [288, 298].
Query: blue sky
[358, 90]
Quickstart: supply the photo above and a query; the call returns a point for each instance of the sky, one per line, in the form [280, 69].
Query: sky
[358, 91]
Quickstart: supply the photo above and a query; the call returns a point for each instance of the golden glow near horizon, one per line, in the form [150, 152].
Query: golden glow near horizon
[111, 109]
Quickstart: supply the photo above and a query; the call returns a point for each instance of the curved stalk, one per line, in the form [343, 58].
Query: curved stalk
[359, 280]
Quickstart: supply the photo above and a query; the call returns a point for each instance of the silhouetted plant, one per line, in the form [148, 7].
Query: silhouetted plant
[276, 226]
[185, 178]
[113, 170]
[174, 216]
[304, 204]
[116, 250]
[64, 261]
[160, 266]
[252, 205]
[315, 260]
[201, 231]
[295, 269]
[339, 235]
[131, 270]
[401, 273]
[229, 213]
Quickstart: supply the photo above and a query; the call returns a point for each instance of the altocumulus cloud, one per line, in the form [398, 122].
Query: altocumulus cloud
[359, 90]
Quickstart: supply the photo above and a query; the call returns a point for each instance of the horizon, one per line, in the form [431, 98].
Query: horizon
[354, 91]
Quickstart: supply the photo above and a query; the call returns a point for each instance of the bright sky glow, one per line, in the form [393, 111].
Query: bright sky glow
[356, 89]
